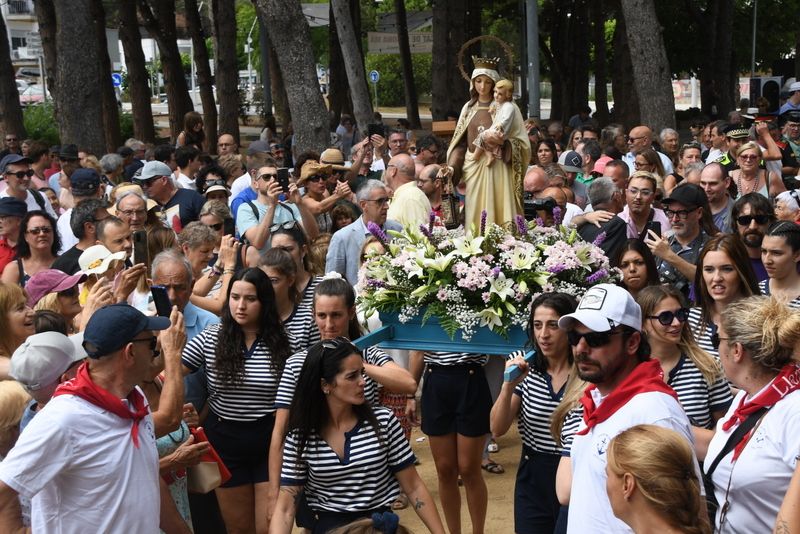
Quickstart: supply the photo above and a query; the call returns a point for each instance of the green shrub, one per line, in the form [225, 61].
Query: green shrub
[40, 123]
[125, 125]
[390, 85]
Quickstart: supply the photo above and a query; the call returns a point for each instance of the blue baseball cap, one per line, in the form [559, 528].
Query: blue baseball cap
[11, 159]
[84, 182]
[112, 327]
[10, 206]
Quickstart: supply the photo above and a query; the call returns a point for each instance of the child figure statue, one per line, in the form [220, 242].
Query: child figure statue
[502, 112]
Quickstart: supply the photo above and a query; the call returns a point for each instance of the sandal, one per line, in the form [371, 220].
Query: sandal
[493, 467]
[400, 503]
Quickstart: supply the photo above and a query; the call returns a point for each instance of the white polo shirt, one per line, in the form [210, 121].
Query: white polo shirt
[589, 507]
[79, 466]
[763, 470]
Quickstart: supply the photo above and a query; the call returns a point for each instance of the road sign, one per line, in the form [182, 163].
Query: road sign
[374, 76]
[116, 79]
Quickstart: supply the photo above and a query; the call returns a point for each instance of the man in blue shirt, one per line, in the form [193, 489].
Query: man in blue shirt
[345, 247]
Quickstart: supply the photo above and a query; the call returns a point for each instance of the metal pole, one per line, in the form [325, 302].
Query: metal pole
[532, 16]
[375, 90]
[753, 56]
[42, 76]
[266, 82]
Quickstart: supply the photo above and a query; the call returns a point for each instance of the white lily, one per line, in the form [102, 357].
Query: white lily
[439, 263]
[490, 317]
[522, 260]
[466, 247]
[502, 286]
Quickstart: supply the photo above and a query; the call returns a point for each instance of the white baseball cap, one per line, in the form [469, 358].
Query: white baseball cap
[43, 357]
[604, 307]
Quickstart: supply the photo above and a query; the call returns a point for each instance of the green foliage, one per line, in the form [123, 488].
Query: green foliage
[126, 125]
[390, 86]
[40, 123]
[245, 17]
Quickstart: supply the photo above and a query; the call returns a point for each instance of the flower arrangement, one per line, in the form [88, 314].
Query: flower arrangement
[487, 280]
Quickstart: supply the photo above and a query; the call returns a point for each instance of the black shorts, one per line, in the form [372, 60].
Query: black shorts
[456, 399]
[536, 506]
[243, 446]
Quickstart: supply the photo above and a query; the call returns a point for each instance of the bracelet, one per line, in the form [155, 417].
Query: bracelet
[411, 396]
[228, 271]
[215, 271]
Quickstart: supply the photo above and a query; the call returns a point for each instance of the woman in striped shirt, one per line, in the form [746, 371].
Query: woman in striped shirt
[724, 275]
[533, 397]
[692, 372]
[298, 320]
[780, 253]
[351, 460]
[291, 238]
[244, 356]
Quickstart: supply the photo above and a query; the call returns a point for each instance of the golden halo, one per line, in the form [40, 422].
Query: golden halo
[506, 48]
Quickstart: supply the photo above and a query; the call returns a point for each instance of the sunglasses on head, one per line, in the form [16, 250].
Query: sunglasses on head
[338, 343]
[285, 226]
[593, 339]
[216, 182]
[21, 174]
[667, 317]
[745, 220]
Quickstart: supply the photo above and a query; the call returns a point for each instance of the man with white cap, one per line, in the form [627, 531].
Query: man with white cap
[793, 104]
[89, 460]
[178, 206]
[627, 388]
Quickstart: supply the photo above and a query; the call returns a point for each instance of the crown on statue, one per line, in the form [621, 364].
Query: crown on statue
[486, 62]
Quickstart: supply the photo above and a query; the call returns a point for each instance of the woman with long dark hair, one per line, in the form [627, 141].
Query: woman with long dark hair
[637, 264]
[37, 248]
[351, 460]
[192, 133]
[294, 241]
[533, 397]
[780, 253]
[244, 356]
[546, 152]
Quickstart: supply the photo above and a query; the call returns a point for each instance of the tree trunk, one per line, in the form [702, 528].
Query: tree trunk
[205, 81]
[412, 105]
[110, 108]
[718, 74]
[279, 96]
[569, 58]
[10, 110]
[297, 66]
[158, 17]
[626, 101]
[453, 25]
[599, 41]
[651, 74]
[46, 18]
[226, 67]
[138, 79]
[79, 95]
[339, 100]
[354, 63]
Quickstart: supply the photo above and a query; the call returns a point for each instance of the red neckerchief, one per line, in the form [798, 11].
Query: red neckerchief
[83, 387]
[645, 378]
[788, 380]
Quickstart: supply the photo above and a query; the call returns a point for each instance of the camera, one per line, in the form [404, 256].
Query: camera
[534, 205]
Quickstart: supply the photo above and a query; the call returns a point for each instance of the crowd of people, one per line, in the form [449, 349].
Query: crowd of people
[158, 303]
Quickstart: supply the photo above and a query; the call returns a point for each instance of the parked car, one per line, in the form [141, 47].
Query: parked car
[21, 85]
[34, 94]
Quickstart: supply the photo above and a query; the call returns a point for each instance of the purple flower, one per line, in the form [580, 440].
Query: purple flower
[539, 221]
[483, 221]
[495, 272]
[522, 225]
[426, 231]
[556, 216]
[599, 239]
[431, 220]
[375, 230]
[596, 276]
[557, 268]
[374, 284]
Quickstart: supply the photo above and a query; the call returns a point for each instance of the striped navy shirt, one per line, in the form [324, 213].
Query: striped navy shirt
[307, 297]
[702, 337]
[572, 422]
[454, 358]
[301, 328]
[764, 287]
[537, 403]
[364, 479]
[291, 374]
[698, 399]
[254, 396]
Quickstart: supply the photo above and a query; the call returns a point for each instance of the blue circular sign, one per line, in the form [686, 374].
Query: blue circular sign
[116, 79]
[374, 76]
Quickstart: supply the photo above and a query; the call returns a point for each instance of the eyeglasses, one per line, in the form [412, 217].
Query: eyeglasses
[21, 174]
[40, 230]
[748, 157]
[630, 139]
[666, 317]
[745, 220]
[147, 183]
[715, 339]
[216, 227]
[153, 340]
[315, 178]
[286, 226]
[681, 214]
[381, 201]
[266, 176]
[131, 213]
[593, 339]
[639, 164]
[636, 192]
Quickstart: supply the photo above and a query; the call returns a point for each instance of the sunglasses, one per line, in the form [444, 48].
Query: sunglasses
[593, 339]
[216, 227]
[338, 343]
[40, 230]
[285, 226]
[71, 292]
[266, 176]
[666, 318]
[21, 174]
[314, 179]
[745, 220]
[216, 182]
[153, 344]
[715, 339]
